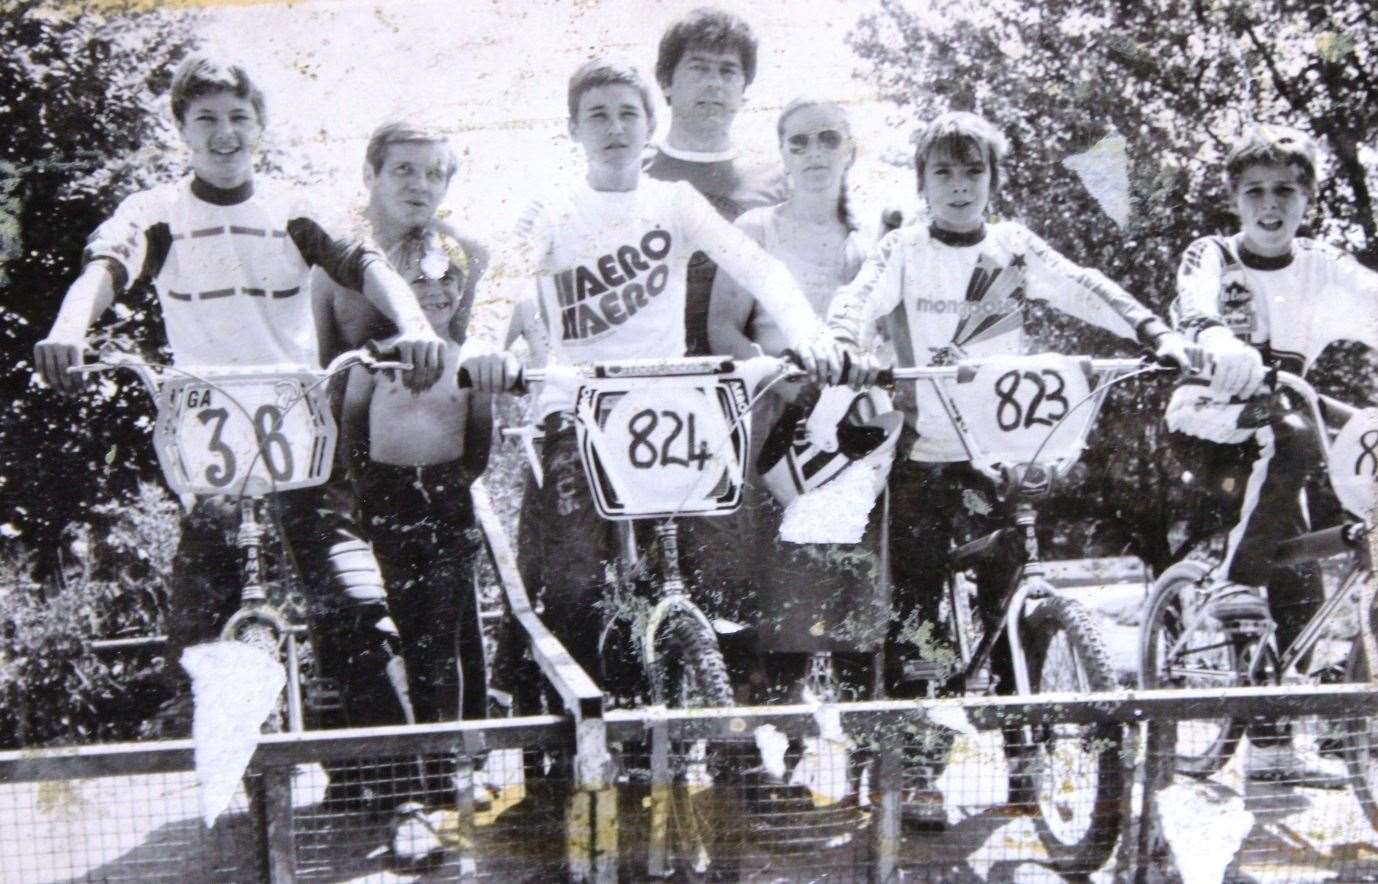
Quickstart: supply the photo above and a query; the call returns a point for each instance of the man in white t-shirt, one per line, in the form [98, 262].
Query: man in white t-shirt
[609, 255]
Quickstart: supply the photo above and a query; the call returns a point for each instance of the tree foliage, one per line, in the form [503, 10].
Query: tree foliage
[80, 109]
[1178, 81]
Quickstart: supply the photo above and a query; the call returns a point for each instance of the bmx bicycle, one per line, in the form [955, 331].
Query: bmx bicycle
[1203, 631]
[1024, 422]
[659, 440]
[246, 433]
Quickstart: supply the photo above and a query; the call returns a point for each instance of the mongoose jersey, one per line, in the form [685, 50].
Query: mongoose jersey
[229, 268]
[942, 294]
[1290, 307]
[610, 268]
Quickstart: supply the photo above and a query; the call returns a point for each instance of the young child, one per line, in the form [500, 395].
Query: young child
[227, 256]
[609, 257]
[1272, 299]
[957, 288]
[423, 451]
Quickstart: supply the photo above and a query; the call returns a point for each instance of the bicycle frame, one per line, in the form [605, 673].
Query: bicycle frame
[249, 498]
[1027, 481]
[1314, 630]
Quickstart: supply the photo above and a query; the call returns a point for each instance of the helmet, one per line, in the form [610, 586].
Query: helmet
[808, 448]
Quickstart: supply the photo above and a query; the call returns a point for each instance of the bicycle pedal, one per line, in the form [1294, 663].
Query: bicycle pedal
[924, 670]
[323, 695]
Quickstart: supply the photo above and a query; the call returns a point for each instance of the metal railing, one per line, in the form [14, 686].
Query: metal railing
[591, 794]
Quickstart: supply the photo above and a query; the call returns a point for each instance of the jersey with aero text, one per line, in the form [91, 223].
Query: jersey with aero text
[732, 186]
[942, 294]
[610, 268]
[1290, 307]
[229, 268]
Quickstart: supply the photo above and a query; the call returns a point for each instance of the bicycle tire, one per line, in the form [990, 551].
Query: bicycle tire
[1177, 595]
[1361, 738]
[257, 634]
[1056, 624]
[690, 673]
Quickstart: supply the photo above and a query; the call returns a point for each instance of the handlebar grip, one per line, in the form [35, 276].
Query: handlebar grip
[385, 349]
[466, 381]
[885, 377]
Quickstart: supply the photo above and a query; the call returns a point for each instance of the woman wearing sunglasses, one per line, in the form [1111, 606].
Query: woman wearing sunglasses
[810, 597]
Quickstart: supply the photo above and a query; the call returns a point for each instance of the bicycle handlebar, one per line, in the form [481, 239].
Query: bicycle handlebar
[688, 366]
[370, 356]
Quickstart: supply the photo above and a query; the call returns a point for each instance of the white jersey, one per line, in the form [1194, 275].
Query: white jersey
[942, 294]
[1290, 307]
[610, 269]
[229, 268]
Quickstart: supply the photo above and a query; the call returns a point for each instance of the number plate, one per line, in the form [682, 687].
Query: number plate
[248, 434]
[671, 447]
[1354, 464]
[1010, 409]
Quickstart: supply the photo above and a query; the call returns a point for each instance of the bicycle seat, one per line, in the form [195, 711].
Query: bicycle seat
[1239, 606]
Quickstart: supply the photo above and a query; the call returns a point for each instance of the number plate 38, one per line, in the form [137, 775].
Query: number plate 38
[248, 434]
[672, 447]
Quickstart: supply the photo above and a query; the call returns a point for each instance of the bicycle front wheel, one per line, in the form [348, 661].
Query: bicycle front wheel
[1077, 772]
[1361, 738]
[258, 634]
[1182, 646]
[699, 816]
[689, 670]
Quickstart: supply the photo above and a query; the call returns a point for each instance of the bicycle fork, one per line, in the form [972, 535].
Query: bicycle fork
[672, 597]
[254, 607]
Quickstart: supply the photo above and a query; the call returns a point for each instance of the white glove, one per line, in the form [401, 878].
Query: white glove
[1238, 366]
[1196, 411]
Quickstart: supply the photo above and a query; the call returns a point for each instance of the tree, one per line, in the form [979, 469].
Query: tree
[83, 127]
[1177, 82]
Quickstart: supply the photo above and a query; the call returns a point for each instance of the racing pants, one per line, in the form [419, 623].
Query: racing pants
[354, 638]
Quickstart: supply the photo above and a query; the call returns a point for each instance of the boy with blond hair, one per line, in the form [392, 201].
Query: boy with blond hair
[1272, 299]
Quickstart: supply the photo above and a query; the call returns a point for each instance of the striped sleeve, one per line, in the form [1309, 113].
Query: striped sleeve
[121, 242]
[1197, 306]
[343, 260]
[1355, 317]
[1085, 293]
[874, 292]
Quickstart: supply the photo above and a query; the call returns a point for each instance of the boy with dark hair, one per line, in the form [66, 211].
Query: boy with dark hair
[958, 288]
[227, 256]
[608, 256]
[1270, 298]
[705, 62]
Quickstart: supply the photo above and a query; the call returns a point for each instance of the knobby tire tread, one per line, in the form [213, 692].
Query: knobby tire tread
[1059, 614]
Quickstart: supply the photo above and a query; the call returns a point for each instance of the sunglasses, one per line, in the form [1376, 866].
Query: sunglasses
[828, 139]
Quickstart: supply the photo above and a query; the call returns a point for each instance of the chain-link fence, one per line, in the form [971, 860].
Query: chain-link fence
[990, 789]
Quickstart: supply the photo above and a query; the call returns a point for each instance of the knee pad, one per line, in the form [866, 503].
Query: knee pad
[354, 571]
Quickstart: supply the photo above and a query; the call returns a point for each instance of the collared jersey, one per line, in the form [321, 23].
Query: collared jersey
[940, 293]
[229, 268]
[610, 270]
[1290, 307]
[732, 185]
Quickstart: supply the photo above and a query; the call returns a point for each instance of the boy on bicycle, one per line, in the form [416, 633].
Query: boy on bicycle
[957, 288]
[227, 256]
[1268, 298]
[609, 257]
